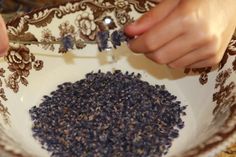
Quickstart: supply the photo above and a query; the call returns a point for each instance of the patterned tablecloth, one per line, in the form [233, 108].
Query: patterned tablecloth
[9, 8]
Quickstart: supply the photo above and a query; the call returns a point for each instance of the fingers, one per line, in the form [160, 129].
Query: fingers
[186, 35]
[203, 53]
[151, 18]
[184, 52]
[214, 57]
[3, 38]
[175, 49]
[205, 63]
[156, 37]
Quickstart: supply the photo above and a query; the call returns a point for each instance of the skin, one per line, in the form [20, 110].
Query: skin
[3, 38]
[185, 33]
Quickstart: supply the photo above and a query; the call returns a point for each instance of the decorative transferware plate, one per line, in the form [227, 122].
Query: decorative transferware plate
[62, 43]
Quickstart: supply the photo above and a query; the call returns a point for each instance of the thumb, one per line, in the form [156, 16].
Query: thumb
[149, 19]
[3, 38]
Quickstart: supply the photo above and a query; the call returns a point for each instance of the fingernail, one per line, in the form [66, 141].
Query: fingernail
[134, 22]
[128, 45]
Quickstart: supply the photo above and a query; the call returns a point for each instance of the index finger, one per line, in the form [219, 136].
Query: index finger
[159, 35]
[146, 21]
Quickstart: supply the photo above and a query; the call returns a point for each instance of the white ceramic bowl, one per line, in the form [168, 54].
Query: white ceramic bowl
[31, 71]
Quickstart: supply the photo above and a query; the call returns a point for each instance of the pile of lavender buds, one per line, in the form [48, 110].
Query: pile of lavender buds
[110, 114]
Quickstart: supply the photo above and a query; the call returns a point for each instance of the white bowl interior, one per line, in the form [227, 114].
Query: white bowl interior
[72, 67]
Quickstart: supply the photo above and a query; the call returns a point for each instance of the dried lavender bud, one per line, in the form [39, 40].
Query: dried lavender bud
[80, 44]
[117, 37]
[67, 43]
[108, 114]
[102, 40]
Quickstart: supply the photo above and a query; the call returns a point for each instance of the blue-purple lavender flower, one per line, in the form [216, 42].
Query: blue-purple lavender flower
[102, 40]
[67, 42]
[117, 37]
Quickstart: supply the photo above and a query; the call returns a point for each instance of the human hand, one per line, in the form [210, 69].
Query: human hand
[185, 33]
[3, 38]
